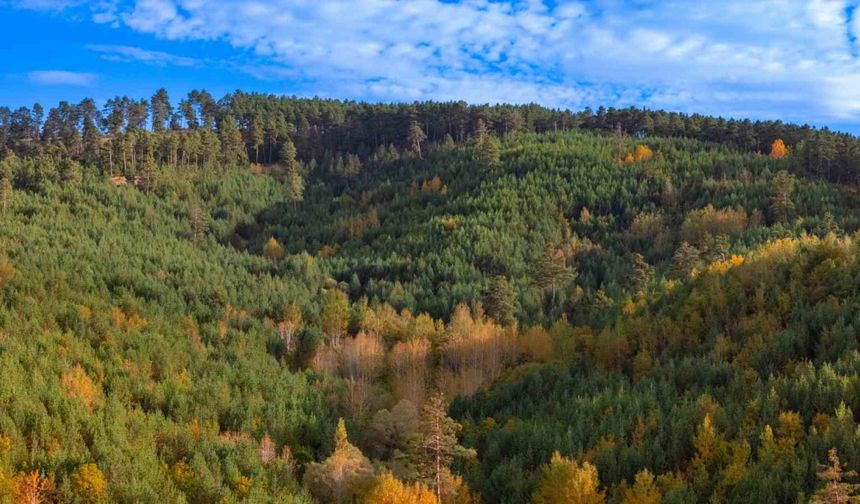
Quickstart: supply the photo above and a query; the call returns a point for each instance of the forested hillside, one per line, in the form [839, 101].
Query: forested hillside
[269, 299]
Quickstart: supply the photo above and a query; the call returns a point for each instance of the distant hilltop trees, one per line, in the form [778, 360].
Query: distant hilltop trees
[126, 135]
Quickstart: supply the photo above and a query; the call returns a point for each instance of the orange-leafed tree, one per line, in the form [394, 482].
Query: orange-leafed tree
[477, 352]
[410, 369]
[7, 271]
[836, 490]
[778, 150]
[31, 488]
[78, 385]
[362, 361]
[536, 343]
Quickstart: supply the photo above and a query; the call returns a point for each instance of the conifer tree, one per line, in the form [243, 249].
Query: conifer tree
[416, 137]
[256, 137]
[294, 178]
[783, 187]
[552, 270]
[199, 224]
[5, 190]
[486, 148]
[160, 109]
[232, 148]
[684, 260]
[500, 301]
[835, 490]
[149, 177]
[335, 315]
[435, 447]
[642, 271]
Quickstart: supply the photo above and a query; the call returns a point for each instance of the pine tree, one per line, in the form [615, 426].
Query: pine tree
[70, 171]
[783, 187]
[500, 301]
[642, 271]
[149, 177]
[256, 137]
[199, 224]
[684, 260]
[160, 109]
[416, 136]
[232, 148]
[552, 270]
[435, 447]
[296, 186]
[294, 178]
[486, 149]
[5, 190]
[835, 490]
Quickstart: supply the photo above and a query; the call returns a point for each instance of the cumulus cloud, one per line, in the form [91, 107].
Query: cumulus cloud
[792, 59]
[61, 78]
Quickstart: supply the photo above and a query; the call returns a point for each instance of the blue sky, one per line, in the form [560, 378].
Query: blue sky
[764, 59]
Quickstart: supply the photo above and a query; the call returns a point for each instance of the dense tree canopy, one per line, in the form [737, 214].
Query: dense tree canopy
[621, 306]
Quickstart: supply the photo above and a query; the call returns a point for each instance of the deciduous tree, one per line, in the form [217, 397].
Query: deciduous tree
[565, 480]
[343, 476]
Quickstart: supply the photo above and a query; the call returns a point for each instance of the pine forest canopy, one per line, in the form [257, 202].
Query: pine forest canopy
[275, 299]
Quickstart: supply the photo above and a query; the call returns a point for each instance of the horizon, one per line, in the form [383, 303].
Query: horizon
[798, 65]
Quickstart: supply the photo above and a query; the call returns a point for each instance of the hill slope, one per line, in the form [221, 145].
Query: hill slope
[668, 304]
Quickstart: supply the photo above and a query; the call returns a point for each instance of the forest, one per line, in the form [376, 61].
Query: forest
[272, 299]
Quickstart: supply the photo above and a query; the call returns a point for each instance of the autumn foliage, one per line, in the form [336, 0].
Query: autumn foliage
[565, 480]
[78, 385]
[778, 150]
[89, 482]
[390, 490]
[31, 488]
[640, 153]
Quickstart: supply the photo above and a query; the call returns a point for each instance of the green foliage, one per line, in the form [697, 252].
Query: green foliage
[691, 316]
[126, 350]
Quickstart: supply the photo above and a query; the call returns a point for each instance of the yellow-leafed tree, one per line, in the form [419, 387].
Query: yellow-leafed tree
[89, 483]
[273, 250]
[643, 491]
[346, 474]
[564, 480]
[390, 490]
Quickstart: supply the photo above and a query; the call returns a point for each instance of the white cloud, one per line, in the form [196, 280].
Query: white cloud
[129, 53]
[61, 77]
[780, 58]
